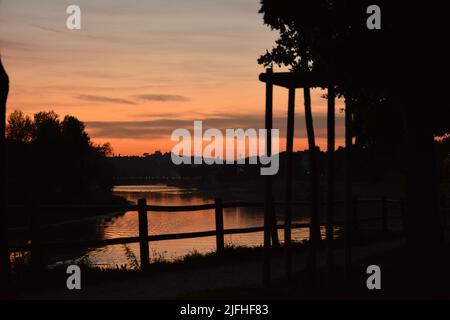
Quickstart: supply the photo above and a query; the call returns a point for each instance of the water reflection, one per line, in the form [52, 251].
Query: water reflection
[179, 222]
[126, 225]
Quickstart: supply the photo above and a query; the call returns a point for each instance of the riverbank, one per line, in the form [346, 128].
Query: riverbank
[19, 215]
[237, 268]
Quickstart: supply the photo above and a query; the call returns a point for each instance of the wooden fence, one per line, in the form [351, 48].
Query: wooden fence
[36, 246]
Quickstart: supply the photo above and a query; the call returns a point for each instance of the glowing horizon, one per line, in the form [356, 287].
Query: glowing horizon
[134, 68]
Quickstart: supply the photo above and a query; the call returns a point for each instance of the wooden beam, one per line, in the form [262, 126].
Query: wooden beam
[88, 209]
[171, 236]
[310, 79]
[293, 80]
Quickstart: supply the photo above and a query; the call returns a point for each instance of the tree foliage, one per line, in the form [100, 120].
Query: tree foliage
[51, 160]
[388, 76]
[371, 67]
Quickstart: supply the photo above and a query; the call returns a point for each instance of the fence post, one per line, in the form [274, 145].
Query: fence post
[355, 215]
[403, 213]
[35, 234]
[330, 203]
[348, 189]
[220, 243]
[444, 212]
[274, 236]
[143, 234]
[384, 215]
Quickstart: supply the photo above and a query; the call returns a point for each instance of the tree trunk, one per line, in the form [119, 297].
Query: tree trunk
[4, 255]
[423, 223]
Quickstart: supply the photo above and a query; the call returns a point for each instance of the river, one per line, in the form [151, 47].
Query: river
[126, 225]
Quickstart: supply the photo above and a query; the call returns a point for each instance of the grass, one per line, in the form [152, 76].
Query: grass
[23, 277]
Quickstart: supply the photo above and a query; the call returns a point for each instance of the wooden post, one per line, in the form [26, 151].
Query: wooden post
[330, 180]
[444, 212]
[445, 209]
[4, 252]
[314, 230]
[447, 224]
[355, 215]
[220, 243]
[273, 212]
[36, 248]
[289, 180]
[403, 213]
[384, 215]
[143, 234]
[268, 222]
[348, 188]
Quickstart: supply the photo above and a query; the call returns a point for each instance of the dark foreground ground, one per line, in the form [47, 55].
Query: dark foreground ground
[406, 274]
[237, 274]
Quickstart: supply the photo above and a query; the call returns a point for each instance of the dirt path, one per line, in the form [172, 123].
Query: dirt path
[180, 283]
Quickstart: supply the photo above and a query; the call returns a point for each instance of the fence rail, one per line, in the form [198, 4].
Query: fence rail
[144, 239]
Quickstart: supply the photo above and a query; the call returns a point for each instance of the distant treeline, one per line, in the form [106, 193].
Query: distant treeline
[368, 165]
[54, 161]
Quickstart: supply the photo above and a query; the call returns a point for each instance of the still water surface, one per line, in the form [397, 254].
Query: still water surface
[126, 225]
[176, 222]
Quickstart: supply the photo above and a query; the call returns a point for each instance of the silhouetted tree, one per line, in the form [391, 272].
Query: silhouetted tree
[376, 70]
[19, 127]
[55, 161]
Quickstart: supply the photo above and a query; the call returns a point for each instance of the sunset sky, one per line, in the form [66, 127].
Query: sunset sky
[137, 70]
